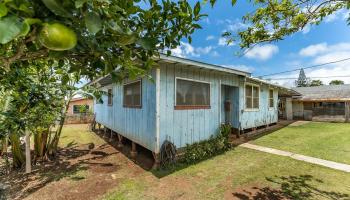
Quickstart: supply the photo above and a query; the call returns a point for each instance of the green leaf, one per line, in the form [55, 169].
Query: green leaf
[56, 8]
[10, 27]
[93, 22]
[147, 43]
[3, 10]
[26, 25]
[79, 3]
[126, 39]
[197, 8]
[233, 2]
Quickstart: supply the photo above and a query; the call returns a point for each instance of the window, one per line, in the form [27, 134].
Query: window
[252, 97]
[192, 94]
[80, 109]
[271, 101]
[110, 97]
[132, 95]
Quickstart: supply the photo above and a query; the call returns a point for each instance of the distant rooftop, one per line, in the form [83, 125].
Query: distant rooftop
[324, 93]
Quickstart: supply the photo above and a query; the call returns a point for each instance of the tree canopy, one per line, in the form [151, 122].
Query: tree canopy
[105, 36]
[336, 82]
[316, 83]
[274, 20]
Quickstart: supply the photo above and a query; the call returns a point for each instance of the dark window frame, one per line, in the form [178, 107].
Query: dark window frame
[130, 83]
[110, 97]
[271, 99]
[192, 107]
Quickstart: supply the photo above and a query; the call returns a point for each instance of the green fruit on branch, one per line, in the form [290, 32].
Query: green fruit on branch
[57, 37]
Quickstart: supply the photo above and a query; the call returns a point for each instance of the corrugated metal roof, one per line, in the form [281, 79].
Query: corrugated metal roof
[324, 93]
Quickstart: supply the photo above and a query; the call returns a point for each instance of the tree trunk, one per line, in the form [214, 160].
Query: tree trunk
[17, 154]
[28, 157]
[56, 138]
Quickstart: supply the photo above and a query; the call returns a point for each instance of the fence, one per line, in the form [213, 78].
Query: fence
[83, 118]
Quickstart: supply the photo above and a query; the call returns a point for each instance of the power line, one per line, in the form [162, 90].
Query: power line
[313, 66]
[320, 77]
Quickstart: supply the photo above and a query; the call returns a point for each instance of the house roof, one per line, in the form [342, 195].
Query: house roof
[78, 99]
[106, 80]
[283, 91]
[201, 65]
[324, 93]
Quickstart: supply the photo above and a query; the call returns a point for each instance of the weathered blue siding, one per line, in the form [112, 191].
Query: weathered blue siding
[188, 126]
[182, 126]
[264, 115]
[136, 124]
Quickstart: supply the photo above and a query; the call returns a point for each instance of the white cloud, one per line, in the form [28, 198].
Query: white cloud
[323, 53]
[262, 52]
[210, 37]
[306, 29]
[339, 15]
[223, 42]
[245, 68]
[187, 50]
[313, 50]
[321, 48]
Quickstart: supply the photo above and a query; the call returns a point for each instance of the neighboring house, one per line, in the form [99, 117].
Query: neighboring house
[80, 105]
[322, 103]
[80, 111]
[185, 102]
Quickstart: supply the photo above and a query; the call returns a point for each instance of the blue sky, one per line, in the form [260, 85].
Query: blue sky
[317, 44]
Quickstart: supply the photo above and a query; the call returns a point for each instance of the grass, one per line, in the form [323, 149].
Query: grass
[330, 141]
[76, 134]
[242, 168]
[227, 174]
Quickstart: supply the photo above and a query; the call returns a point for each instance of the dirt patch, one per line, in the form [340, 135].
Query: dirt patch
[299, 123]
[80, 172]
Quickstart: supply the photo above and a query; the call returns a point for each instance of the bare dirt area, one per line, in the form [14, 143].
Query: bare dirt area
[83, 171]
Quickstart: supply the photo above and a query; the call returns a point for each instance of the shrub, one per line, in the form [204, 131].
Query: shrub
[207, 148]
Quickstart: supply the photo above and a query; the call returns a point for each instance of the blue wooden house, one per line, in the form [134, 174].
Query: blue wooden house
[185, 102]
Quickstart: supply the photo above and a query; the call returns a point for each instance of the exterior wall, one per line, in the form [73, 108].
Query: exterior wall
[298, 110]
[188, 126]
[158, 116]
[262, 116]
[136, 124]
[88, 102]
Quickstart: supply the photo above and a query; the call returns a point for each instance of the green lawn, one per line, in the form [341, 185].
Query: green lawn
[240, 168]
[75, 134]
[225, 176]
[330, 141]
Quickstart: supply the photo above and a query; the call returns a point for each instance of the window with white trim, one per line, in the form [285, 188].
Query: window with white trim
[192, 94]
[271, 100]
[132, 94]
[252, 96]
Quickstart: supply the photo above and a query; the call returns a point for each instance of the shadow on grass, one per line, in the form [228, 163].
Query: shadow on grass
[301, 187]
[70, 163]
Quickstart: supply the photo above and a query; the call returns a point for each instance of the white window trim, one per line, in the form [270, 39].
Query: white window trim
[194, 80]
[273, 97]
[245, 106]
[131, 82]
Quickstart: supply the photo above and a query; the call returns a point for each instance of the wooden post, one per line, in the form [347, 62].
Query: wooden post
[99, 128]
[111, 136]
[120, 141]
[28, 157]
[133, 152]
[156, 163]
[105, 131]
[347, 111]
